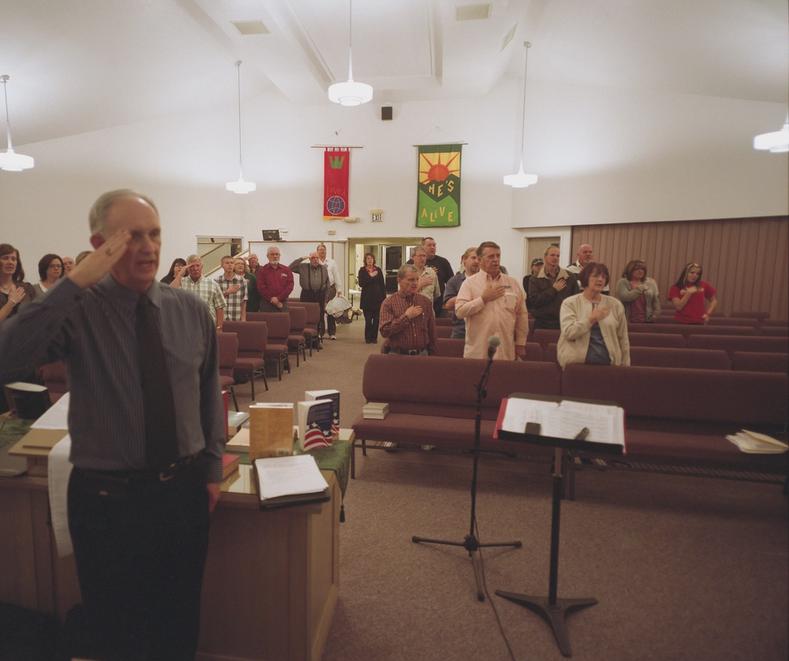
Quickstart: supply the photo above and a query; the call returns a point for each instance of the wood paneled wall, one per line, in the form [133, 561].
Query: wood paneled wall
[744, 258]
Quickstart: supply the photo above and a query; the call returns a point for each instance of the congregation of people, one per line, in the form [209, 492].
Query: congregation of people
[481, 300]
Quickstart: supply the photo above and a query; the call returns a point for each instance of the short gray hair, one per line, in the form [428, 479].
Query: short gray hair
[98, 212]
[404, 269]
[193, 258]
[270, 248]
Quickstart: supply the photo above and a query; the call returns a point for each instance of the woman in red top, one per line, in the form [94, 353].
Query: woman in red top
[694, 299]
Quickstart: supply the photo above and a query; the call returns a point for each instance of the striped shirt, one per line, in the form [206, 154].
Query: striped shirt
[93, 330]
[208, 291]
[233, 302]
[406, 334]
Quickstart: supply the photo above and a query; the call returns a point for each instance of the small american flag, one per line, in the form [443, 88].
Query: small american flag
[315, 438]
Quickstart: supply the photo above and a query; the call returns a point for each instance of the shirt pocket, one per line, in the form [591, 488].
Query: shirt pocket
[510, 301]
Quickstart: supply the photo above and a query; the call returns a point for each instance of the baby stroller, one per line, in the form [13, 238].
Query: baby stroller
[340, 308]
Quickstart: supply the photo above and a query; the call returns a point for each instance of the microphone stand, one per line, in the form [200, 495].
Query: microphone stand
[470, 541]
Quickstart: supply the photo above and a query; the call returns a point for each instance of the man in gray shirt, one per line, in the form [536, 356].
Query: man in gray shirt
[147, 430]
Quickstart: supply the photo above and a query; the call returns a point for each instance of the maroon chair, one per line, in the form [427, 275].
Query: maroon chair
[760, 315]
[55, 378]
[450, 347]
[710, 359]
[443, 321]
[278, 331]
[775, 331]
[760, 361]
[658, 340]
[443, 331]
[311, 334]
[228, 355]
[297, 342]
[733, 343]
[534, 352]
[252, 346]
[545, 336]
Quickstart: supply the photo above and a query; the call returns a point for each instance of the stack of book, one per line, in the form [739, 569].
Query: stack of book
[755, 443]
[289, 481]
[334, 396]
[315, 424]
[270, 430]
[375, 410]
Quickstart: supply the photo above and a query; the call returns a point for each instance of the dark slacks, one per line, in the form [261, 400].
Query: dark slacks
[140, 549]
[372, 317]
[318, 297]
[332, 323]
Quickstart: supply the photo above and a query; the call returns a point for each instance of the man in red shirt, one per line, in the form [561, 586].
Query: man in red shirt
[274, 282]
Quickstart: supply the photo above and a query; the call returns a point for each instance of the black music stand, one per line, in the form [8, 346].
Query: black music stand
[470, 541]
[552, 609]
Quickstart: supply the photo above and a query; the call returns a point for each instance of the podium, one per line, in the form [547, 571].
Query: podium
[552, 609]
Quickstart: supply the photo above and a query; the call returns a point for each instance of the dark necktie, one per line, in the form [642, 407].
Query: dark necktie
[161, 446]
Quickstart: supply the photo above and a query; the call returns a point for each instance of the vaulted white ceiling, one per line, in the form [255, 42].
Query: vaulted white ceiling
[82, 65]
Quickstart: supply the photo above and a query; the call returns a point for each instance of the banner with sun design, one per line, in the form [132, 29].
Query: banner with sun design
[336, 167]
[438, 199]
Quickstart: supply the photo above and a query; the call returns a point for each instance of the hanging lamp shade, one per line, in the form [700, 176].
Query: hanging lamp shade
[240, 186]
[776, 142]
[9, 159]
[351, 92]
[521, 179]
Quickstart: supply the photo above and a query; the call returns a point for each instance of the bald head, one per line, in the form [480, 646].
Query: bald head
[584, 254]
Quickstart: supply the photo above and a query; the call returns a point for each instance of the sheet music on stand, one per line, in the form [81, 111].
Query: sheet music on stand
[576, 423]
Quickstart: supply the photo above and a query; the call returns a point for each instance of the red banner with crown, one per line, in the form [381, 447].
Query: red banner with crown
[336, 168]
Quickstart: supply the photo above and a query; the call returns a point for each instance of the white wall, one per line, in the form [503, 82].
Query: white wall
[602, 156]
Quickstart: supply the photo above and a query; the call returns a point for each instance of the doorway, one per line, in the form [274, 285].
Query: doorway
[390, 254]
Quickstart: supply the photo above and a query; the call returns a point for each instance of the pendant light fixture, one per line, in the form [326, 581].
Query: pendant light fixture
[776, 142]
[240, 186]
[351, 92]
[9, 159]
[520, 179]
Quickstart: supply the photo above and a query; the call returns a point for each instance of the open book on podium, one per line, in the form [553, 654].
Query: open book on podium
[295, 480]
[567, 423]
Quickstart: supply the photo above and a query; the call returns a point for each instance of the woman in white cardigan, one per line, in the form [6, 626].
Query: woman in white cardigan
[594, 326]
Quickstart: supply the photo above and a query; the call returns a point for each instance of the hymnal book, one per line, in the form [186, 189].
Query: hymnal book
[270, 430]
[753, 442]
[334, 396]
[375, 410]
[28, 401]
[289, 480]
[229, 464]
[567, 419]
[315, 424]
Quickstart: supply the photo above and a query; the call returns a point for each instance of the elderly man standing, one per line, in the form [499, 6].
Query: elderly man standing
[147, 430]
[314, 281]
[407, 319]
[234, 289]
[493, 303]
[68, 264]
[274, 283]
[470, 264]
[584, 256]
[191, 279]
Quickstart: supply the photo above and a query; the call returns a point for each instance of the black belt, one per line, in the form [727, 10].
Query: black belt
[407, 352]
[178, 467]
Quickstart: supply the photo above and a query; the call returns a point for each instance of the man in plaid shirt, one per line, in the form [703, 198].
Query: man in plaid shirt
[191, 279]
[234, 289]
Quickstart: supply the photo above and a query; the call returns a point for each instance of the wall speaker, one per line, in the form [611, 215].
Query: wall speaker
[386, 113]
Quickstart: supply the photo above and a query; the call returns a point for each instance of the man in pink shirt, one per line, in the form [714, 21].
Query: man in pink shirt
[492, 303]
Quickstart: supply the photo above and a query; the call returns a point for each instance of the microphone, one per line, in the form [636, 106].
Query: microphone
[493, 344]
